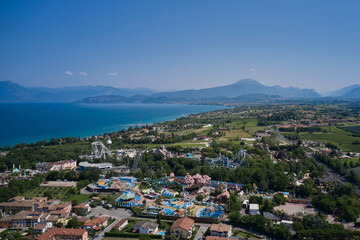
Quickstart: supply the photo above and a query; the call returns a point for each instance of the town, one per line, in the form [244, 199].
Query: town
[255, 172]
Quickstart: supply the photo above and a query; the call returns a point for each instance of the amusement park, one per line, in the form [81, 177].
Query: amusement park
[170, 196]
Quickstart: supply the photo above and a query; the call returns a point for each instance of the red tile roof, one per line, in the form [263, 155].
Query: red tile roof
[184, 223]
[220, 227]
[216, 238]
[96, 221]
[120, 223]
[61, 231]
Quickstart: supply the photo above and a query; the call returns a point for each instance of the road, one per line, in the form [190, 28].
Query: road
[201, 231]
[281, 137]
[118, 214]
[331, 175]
[101, 235]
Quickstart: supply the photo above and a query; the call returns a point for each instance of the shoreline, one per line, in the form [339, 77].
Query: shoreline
[86, 133]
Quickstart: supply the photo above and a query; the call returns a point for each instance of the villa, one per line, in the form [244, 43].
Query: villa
[183, 228]
[220, 230]
[145, 227]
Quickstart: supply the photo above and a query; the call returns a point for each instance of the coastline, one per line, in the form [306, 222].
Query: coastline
[83, 120]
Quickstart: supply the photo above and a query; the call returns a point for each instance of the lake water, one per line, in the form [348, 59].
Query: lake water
[31, 122]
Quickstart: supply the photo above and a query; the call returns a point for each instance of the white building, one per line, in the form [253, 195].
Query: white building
[220, 230]
[56, 166]
[145, 227]
[84, 165]
[254, 209]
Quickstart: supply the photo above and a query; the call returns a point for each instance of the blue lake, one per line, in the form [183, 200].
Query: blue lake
[31, 122]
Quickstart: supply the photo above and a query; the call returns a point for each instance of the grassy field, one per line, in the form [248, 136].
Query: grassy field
[341, 138]
[238, 123]
[245, 235]
[53, 192]
[233, 134]
[349, 160]
[191, 144]
[199, 131]
[79, 198]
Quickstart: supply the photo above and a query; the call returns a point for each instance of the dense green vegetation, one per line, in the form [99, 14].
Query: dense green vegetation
[17, 187]
[341, 202]
[262, 171]
[340, 138]
[31, 188]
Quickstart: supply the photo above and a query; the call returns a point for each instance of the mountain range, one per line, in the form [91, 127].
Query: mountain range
[246, 90]
[352, 91]
[242, 87]
[13, 92]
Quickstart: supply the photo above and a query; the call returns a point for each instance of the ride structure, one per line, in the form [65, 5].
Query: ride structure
[240, 159]
[99, 150]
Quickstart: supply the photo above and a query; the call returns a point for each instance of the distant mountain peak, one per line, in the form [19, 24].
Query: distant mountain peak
[247, 81]
[344, 91]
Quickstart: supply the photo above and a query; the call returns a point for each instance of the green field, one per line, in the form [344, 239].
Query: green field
[191, 144]
[240, 122]
[53, 192]
[341, 138]
[245, 235]
[79, 198]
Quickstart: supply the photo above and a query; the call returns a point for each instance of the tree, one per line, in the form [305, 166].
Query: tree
[279, 199]
[73, 223]
[313, 222]
[79, 212]
[170, 237]
[144, 237]
[304, 190]
[281, 232]
[200, 197]
[267, 207]
[346, 189]
[297, 226]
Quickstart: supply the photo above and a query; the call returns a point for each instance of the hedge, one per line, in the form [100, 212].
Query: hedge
[130, 235]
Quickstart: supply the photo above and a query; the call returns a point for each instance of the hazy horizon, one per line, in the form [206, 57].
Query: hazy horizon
[169, 90]
[177, 45]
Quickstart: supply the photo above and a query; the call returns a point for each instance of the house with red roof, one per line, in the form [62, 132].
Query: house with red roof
[183, 228]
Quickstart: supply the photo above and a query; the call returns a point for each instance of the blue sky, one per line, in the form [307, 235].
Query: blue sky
[180, 44]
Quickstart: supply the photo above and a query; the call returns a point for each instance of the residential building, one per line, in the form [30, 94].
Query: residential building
[146, 227]
[56, 166]
[6, 222]
[16, 198]
[40, 228]
[120, 225]
[83, 207]
[17, 206]
[26, 219]
[64, 234]
[95, 224]
[65, 206]
[220, 230]
[183, 228]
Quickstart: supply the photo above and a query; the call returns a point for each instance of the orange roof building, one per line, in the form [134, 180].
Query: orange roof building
[64, 234]
[183, 228]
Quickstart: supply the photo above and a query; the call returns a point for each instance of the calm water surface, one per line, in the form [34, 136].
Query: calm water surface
[31, 122]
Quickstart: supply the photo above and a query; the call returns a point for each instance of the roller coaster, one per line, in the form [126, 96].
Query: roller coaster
[240, 159]
[99, 150]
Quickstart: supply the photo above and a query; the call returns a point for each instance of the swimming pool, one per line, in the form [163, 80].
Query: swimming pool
[137, 197]
[208, 213]
[168, 212]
